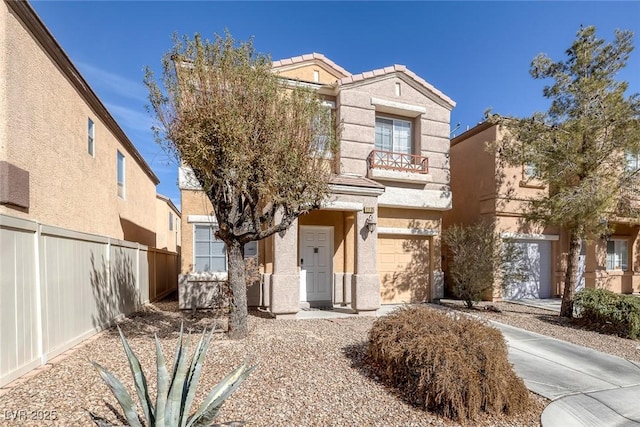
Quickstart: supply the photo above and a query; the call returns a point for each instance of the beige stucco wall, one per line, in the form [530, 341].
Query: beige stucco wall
[192, 202]
[409, 218]
[165, 237]
[357, 115]
[305, 72]
[596, 274]
[46, 134]
[3, 79]
[473, 183]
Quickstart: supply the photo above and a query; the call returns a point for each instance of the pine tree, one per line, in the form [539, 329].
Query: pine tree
[579, 146]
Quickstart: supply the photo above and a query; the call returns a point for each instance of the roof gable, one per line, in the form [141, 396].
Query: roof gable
[407, 75]
[317, 59]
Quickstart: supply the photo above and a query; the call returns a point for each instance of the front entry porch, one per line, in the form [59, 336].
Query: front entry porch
[326, 257]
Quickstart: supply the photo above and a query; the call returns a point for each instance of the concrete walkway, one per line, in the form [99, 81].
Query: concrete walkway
[587, 387]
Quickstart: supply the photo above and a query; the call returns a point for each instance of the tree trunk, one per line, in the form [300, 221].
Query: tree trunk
[237, 284]
[571, 278]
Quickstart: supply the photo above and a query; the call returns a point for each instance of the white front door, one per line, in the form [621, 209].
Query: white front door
[316, 256]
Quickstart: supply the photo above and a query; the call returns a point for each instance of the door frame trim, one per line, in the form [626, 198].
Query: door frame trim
[303, 277]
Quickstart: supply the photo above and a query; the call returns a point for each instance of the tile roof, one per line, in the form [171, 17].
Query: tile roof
[310, 57]
[354, 78]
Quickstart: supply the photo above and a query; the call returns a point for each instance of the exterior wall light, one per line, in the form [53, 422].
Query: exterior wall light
[370, 223]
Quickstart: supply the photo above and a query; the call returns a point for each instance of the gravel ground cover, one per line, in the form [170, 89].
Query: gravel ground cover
[310, 372]
[548, 323]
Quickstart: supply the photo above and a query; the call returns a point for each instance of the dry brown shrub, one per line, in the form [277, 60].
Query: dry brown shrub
[453, 366]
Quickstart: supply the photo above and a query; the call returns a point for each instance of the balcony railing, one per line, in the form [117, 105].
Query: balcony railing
[379, 159]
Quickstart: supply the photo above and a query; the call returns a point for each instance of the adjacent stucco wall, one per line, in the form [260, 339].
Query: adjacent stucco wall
[192, 202]
[46, 134]
[166, 238]
[597, 276]
[305, 73]
[3, 79]
[473, 183]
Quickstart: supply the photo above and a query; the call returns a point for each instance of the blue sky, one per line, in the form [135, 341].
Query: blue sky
[478, 53]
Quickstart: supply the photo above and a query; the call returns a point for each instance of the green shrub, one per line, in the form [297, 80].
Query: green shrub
[610, 312]
[175, 390]
[454, 366]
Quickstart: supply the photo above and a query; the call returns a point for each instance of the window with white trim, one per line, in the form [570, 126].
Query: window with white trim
[617, 254]
[393, 135]
[210, 254]
[170, 221]
[91, 138]
[121, 174]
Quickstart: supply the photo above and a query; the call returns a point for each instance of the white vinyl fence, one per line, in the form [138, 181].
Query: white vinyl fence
[59, 287]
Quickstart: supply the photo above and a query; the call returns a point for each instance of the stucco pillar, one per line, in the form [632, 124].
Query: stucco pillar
[284, 294]
[365, 283]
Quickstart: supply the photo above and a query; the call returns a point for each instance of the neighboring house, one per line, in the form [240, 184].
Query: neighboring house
[483, 189]
[77, 204]
[64, 161]
[377, 238]
[167, 224]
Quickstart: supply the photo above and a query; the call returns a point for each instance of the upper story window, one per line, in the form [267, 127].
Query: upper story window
[91, 138]
[210, 254]
[121, 174]
[393, 135]
[323, 139]
[617, 254]
[170, 221]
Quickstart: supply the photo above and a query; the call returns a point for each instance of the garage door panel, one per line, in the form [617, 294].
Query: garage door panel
[536, 264]
[404, 274]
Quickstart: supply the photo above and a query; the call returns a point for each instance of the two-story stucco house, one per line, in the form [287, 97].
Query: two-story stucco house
[78, 208]
[483, 188]
[376, 239]
[64, 160]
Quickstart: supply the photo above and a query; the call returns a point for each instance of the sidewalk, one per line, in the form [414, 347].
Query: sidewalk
[588, 388]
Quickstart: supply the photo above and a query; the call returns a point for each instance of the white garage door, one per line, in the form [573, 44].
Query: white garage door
[537, 267]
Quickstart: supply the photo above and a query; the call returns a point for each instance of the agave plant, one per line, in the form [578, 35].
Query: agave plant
[175, 392]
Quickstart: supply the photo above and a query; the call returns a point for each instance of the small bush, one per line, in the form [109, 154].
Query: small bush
[456, 367]
[478, 257]
[610, 312]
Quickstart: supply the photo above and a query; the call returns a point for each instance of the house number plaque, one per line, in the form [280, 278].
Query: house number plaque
[368, 209]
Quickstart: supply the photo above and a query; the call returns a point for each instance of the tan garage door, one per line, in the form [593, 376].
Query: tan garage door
[403, 266]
